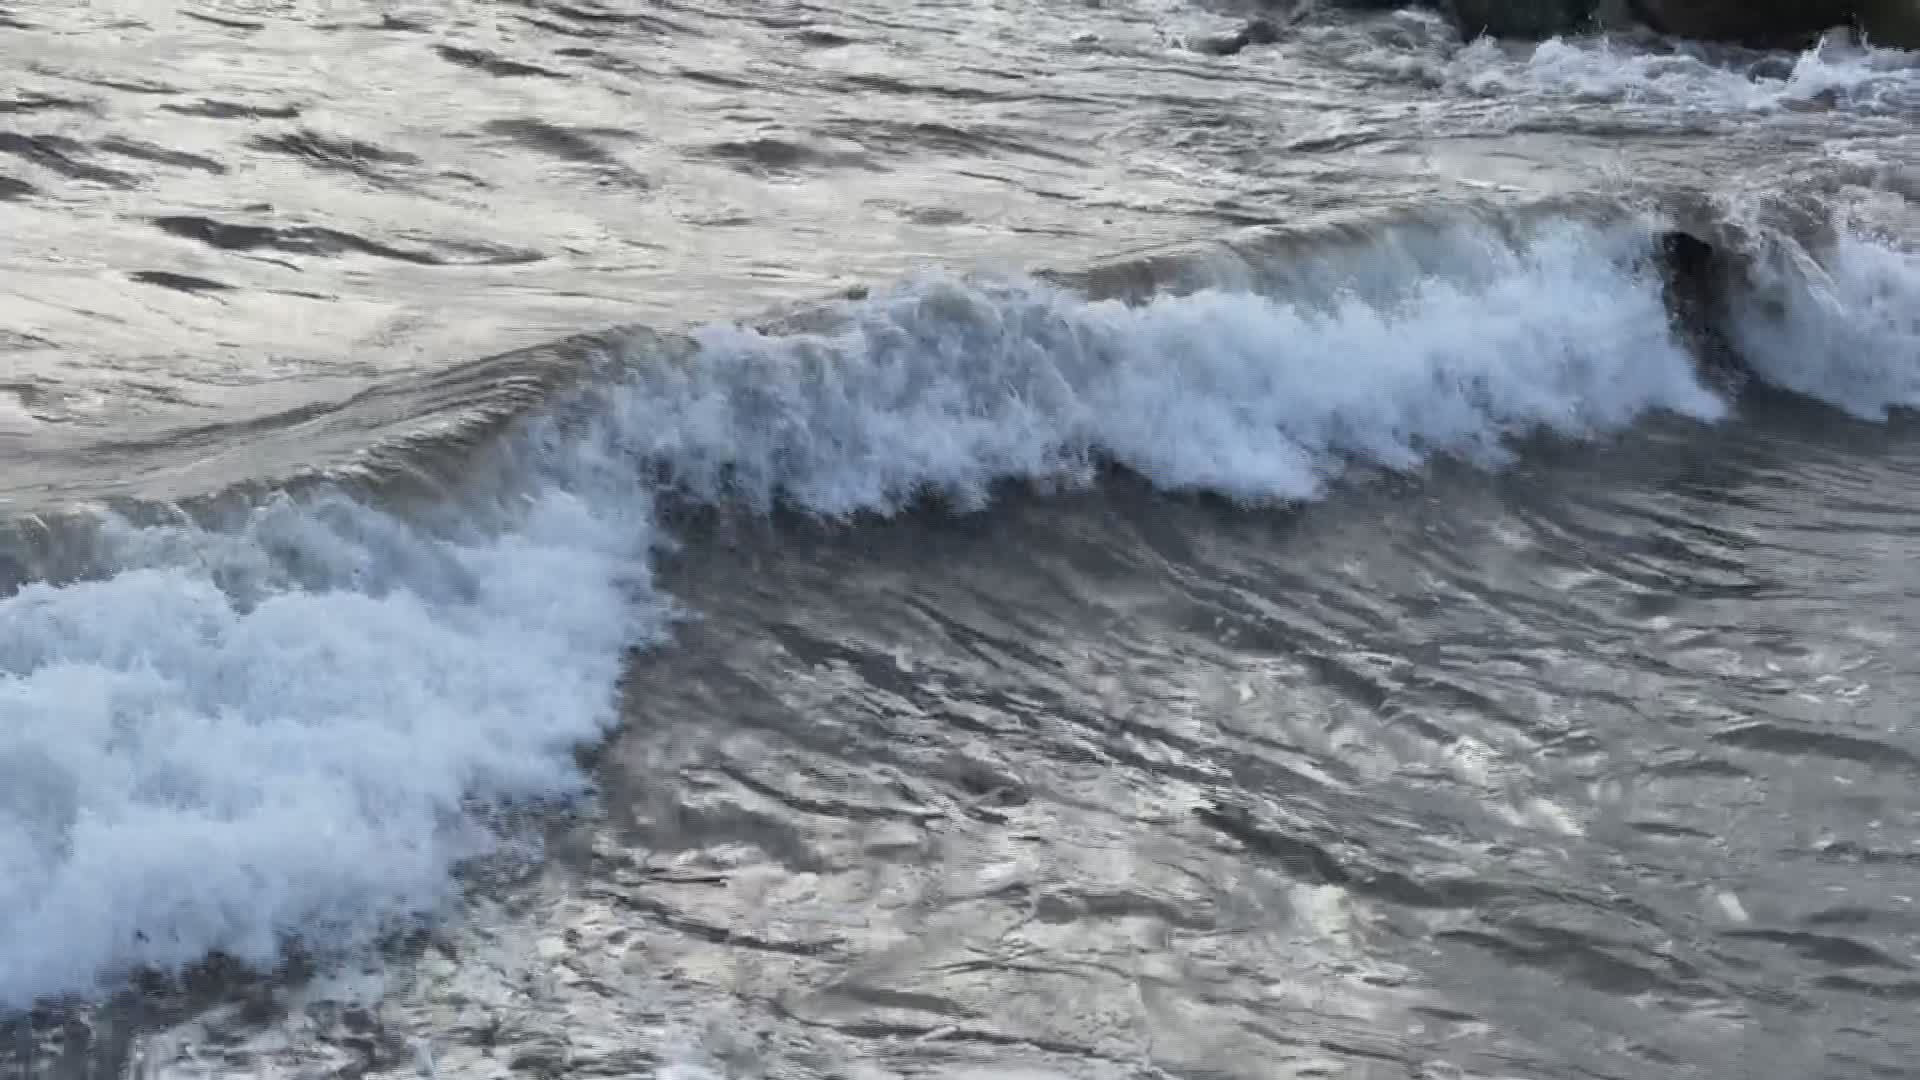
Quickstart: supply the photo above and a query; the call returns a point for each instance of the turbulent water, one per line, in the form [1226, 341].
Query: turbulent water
[1108, 560]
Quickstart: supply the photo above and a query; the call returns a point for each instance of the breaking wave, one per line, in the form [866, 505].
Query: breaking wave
[296, 724]
[1838, 75]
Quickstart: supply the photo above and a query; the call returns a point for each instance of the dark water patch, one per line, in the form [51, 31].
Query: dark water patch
[935, 215]
[773, 21]
[593, 20]
[31, 102]
[1669, 830]
[1843, 916]
[146, 151]
[1774, 738]
[447, 251]
[1903, 990]
[1445, 1015]
[1352, 680]
[466, 178]
[57, 153]
[553, 26]
[1257, 31]
[1896, 1069]
[215, 109]
[1301, 858]
[1456, 893]
[319, 240]
[1848, 851]
[362, 159]
[1324, 144]
[15, 340]
[310, 144]
[1895, 917]
[245, 25]
[770, 155]
[13, 189]
[551, 139]
[906, 1000]
[1066, 906]
[689, 922]
[816, 38]
[714, 78]
[887, 84]
[1699, 766]
[909, 137]
[124, 85]
[939, 27]
[493, 64]
[824, 807]
[606, 61]
[1822, 948]
[187, 283]
[1349, 1048]
[1584, 959]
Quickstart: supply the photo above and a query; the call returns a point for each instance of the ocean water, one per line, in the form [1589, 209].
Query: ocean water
[951, 539]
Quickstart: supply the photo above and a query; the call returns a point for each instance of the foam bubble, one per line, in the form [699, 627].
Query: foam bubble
[293, 727]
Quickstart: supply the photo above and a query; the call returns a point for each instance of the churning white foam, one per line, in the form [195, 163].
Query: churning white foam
[275, 732]
[1832, 75]
[294, 727]
[1845, 330]
[950, 387]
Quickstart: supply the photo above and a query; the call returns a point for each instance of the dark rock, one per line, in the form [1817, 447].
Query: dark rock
[1697, 278]
[1891, 22]
[1783, 23]
[1259, 31]
[1757, 23]
[1534, 19]
[1765, 23]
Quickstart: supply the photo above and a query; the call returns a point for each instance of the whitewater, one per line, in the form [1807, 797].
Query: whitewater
[292, 688]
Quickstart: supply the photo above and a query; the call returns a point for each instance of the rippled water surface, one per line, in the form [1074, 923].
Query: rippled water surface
[223, 213]
[1113, 557]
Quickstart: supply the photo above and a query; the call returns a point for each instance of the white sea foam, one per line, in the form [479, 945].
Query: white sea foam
[1835, 75]
[951, 387]
[202, 753]
[285, 728]
[1845, 330]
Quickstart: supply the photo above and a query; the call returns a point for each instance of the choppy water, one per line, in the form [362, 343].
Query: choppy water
[1112, 560]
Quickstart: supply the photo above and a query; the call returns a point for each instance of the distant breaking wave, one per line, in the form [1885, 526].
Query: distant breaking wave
[1868, 81]
[296, 725]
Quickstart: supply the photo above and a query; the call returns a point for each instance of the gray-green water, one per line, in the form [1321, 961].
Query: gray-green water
[1191, 565]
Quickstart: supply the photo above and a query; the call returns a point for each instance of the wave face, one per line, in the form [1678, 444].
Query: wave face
[295, 727]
